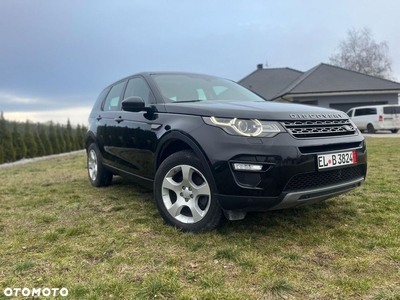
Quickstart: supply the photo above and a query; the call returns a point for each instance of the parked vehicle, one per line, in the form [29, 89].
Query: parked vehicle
[376, 117]
[209, 147]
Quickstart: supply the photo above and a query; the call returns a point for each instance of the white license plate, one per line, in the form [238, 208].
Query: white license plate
[337, 159]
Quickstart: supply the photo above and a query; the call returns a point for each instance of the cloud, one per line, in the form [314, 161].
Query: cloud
[77, 115]
[10, 99]
[13, 102]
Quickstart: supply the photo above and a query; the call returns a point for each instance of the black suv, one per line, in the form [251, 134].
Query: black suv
[209, 147]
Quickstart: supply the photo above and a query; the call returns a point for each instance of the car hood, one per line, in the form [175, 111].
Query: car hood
[254, 110]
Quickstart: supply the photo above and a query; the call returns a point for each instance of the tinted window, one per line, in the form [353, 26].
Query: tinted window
[365, 111]
[186, 87]
[350, 113]
[139, 88]
[391, 110]
[114, 97]
[388, 110]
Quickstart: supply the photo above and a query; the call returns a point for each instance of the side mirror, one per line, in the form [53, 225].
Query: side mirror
[134, 104]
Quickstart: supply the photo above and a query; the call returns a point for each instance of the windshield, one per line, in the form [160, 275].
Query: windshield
[188, 87]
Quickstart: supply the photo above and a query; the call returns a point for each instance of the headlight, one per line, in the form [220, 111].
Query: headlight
[245, 127]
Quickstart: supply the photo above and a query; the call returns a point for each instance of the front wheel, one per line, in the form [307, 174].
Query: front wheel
[183, 194]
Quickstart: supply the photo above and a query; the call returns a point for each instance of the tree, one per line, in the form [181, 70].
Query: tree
[6, 141]
[18, 142]
[66, 138]
[1, 154]
[55, 143]
[80, 137]
[40, 147]
[72, 137]
[44, 138]
[359, 52]
[60, 138]
[30, 142]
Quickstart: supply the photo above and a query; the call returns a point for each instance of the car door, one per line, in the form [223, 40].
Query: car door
[136, 139]
[359, 118]
[106, 124]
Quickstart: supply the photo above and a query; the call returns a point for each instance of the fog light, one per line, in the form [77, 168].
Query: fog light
[247, 167]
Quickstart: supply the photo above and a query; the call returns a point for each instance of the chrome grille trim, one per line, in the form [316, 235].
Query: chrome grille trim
[319, 128]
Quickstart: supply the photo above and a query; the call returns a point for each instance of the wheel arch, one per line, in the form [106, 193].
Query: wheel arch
[176, 141]
[89, 139]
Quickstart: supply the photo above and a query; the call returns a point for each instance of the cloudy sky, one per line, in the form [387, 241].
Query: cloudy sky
[56, 56]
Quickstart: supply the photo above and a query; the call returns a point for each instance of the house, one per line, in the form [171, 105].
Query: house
[324, 85]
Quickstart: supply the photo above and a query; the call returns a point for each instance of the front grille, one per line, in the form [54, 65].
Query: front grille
[319, 128]
[326, 178]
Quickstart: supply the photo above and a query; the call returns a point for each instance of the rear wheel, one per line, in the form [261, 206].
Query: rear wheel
[394, 130]
[183, 194]
[98, 175]
[370, 128]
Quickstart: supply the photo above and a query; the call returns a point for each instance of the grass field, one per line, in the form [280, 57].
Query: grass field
[56, 230]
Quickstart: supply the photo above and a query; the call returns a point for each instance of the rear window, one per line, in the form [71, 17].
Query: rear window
[365, 111]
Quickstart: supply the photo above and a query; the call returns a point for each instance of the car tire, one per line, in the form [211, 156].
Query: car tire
[394, 130]
[183, 193]
[370, 128]
[98, 175]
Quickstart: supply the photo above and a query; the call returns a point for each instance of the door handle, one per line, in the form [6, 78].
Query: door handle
[118, 120]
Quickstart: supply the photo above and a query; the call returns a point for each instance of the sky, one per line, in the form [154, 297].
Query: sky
[57, 56]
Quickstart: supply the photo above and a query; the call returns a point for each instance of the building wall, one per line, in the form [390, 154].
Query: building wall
[345, 102]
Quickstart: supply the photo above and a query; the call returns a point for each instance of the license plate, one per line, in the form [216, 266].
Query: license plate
[337, 159]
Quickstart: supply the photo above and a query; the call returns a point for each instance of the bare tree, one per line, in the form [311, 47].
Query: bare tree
[359, 52]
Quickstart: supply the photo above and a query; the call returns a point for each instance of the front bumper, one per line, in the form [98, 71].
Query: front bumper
[286, 200]
[289, 177]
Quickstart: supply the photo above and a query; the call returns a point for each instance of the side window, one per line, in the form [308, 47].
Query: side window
[365, 111]
[359, 112]
[113, 97]
[388, 110]
[350, 113]
[138, 87]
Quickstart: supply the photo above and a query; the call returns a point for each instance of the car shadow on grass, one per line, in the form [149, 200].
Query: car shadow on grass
[321, 216]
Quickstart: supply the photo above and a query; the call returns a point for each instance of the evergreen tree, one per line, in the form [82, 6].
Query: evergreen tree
[6, 141]
[84, 130]
[55, 144]
[30, 142]
[1, 154]
[67, 139]
[40, 147]
[18, 142]
[80, 139]
[44, 138]
[60, 138]
[72, 135]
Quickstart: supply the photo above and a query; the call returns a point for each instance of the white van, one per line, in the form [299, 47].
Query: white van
[376, 117]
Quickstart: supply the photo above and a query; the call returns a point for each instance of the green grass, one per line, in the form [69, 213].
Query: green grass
[56, 230]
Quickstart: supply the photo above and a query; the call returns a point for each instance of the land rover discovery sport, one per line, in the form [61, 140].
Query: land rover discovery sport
[209, 147]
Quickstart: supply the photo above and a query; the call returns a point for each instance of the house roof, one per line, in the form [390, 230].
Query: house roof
[323, 78]
[270, 82]
[326, 78]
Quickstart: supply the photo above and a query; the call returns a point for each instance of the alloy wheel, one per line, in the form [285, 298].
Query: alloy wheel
[186, 194]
